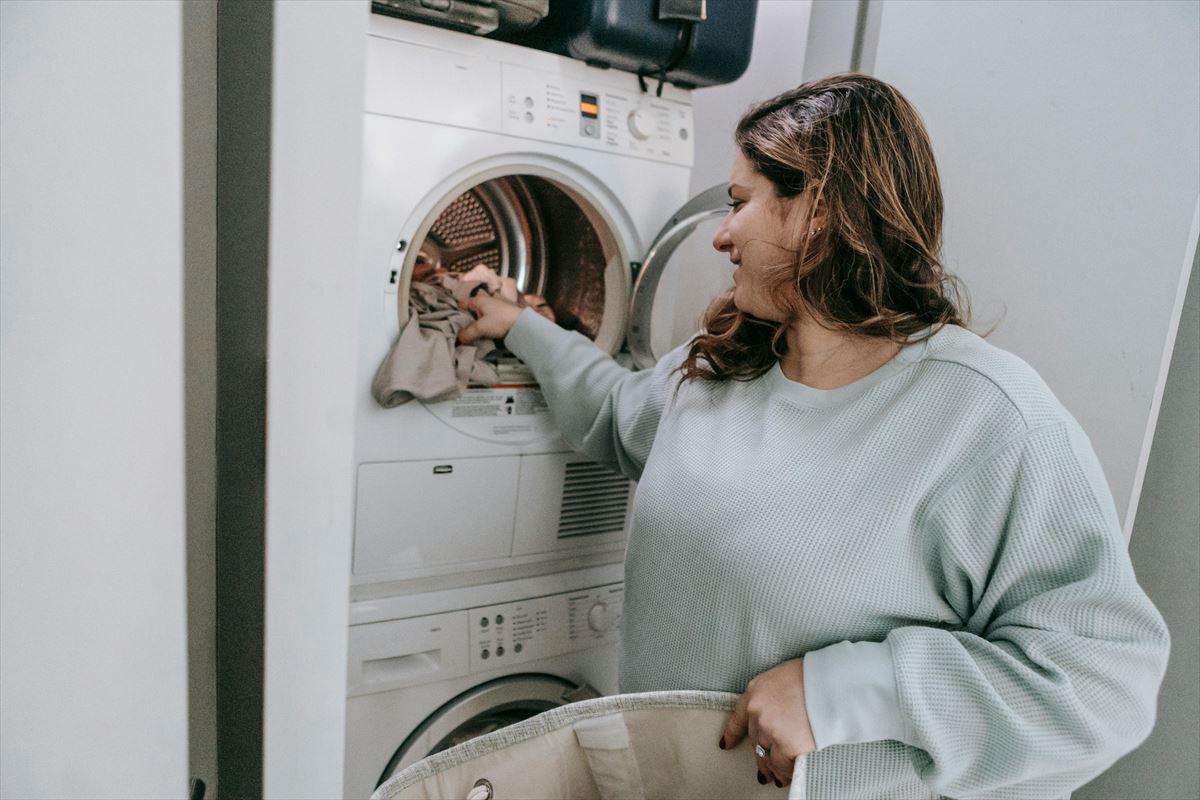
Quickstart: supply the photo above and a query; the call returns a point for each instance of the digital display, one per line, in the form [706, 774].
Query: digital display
[589, 106]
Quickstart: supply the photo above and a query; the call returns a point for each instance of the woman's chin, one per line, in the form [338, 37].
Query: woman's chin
[744, 302]
[739, 296]
[755, 308]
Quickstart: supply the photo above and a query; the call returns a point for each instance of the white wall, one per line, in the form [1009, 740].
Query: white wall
[316, 161]
[776, 65]
[1066, 138]
[1165, 551]
[93, 680]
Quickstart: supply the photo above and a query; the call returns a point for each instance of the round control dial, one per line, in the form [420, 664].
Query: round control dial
[639, 124]
[599, 619]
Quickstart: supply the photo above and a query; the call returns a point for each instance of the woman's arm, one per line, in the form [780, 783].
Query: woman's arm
[1055, 672]
[604, 410]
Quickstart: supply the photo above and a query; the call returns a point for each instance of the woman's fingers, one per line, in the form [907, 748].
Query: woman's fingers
[494, 318]
[765, 773]
[773, 713]
[774, 764]
[469, 334]
[735, 726]
[740, 724]
[781, 766]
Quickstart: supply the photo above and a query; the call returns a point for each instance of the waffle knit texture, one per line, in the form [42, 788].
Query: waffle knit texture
[936, 540]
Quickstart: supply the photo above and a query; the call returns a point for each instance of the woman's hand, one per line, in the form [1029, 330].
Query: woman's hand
[494, 318]
[773, 712]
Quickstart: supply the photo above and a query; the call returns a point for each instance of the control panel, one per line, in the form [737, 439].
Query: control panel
[526, 630]
[569, 104]
[563, 109]
[415, 650]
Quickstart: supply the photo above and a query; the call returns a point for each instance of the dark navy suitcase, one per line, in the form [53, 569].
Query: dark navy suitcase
[687, 42]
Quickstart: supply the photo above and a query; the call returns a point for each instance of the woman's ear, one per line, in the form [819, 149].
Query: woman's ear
[820, 214]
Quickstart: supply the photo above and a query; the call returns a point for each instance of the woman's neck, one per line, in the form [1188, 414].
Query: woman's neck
[825, 359]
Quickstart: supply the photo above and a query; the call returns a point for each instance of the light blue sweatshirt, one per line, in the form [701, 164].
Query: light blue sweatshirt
[936, 540]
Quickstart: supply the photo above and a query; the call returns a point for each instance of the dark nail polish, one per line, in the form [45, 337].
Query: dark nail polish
[780, 785]
[762, 779]
[721, 743]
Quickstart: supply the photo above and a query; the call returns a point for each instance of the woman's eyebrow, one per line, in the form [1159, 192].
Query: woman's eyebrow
[737, 186]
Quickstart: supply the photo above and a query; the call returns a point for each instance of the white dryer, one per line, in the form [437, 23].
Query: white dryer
[486, 560]
[557, 174]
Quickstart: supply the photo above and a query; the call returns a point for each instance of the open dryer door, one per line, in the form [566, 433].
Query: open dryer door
[680, 275]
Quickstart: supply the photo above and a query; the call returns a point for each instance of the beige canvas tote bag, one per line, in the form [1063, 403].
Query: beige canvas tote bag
[651, 746]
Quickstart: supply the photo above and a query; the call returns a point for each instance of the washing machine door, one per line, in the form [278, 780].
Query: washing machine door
[483, 709]
[680, 275]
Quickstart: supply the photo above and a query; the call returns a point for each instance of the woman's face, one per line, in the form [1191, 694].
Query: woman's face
[761, 230]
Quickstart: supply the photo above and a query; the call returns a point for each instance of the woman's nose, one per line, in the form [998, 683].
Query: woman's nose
[721, 240]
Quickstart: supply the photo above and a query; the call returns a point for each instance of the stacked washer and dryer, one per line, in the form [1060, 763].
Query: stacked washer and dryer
[487, 571]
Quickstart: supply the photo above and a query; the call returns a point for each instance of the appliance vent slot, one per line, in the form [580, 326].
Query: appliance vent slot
[595, 500]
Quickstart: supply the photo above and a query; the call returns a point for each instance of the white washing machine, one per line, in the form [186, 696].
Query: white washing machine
[465, 662]
[473, 513]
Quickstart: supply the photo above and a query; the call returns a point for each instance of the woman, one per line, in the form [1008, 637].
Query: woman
[883, 532]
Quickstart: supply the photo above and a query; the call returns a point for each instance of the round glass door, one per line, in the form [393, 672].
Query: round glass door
[535, 237]
[680, 276]
[540, 232]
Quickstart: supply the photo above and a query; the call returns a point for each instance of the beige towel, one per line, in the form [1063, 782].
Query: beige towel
[425, 361]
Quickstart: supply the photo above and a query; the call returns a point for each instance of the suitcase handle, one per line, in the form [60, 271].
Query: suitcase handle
[688, 13]
[687, 10]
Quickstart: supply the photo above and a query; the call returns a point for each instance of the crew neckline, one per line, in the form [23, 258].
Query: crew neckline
[804, 394]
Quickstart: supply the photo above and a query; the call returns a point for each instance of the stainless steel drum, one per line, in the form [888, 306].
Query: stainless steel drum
[497, 224]
[529, 229]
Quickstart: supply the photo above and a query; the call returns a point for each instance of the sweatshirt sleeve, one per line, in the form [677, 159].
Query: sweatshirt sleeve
[604, 410]
[1053, 674]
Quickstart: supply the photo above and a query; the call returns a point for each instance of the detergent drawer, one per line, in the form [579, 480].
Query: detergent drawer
[415, 514]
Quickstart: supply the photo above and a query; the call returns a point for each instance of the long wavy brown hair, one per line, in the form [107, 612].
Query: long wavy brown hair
[875, 268]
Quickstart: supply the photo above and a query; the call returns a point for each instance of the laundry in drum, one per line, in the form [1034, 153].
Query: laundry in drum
[522, 237]
[426, 362]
